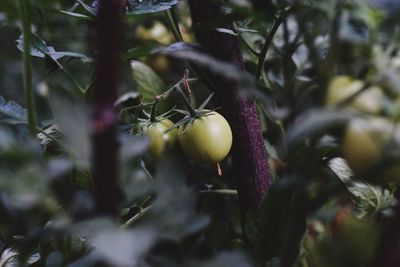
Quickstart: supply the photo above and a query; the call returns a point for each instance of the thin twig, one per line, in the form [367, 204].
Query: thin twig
[268, 41]
[136, 217]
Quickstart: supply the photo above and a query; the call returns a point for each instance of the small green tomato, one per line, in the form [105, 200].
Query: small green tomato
[159, 139]
[207, 139]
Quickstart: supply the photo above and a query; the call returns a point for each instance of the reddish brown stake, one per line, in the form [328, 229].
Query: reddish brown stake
[104, 122]
[249, 153]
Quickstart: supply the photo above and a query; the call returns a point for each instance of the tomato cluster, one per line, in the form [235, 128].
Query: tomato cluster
[371, 142]
[205, 139]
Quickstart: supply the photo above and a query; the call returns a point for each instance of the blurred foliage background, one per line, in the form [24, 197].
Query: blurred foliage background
[319, 212]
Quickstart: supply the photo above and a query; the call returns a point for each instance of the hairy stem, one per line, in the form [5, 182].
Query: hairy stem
[104, 119]
[249, 153]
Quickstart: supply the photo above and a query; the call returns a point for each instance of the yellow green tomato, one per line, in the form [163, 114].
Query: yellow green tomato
[207, 139]
[367, 143]
[343, 87]
[159, 138]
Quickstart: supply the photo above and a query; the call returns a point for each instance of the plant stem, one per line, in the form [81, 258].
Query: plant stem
[78, 89]
[28, 88]
[135, 218]
[104, 118]
[248, 46]
[153, 117]
[174, 24]
[267, 44]
[187, 103]
[248, 152]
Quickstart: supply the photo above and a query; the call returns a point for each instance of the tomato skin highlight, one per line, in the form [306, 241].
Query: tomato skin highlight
[207, 139]
[159, 139]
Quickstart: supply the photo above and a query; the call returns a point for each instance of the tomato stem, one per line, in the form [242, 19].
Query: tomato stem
[186, 101]
[153, 117]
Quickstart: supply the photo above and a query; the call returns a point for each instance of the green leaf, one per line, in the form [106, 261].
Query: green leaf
[192, 53]
[77, 15]
[88, 8]
[40, 49]
[147, 81]
[316, 122]
[150, 6]
[13, 111]
[141, 51]
[227, 31]
[368, 198]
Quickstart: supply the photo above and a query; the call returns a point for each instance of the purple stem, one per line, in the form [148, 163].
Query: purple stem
[104, 122]
[389, 247]
[249, 153]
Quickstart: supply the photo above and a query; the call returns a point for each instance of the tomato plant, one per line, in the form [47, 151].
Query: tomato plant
[108, 151]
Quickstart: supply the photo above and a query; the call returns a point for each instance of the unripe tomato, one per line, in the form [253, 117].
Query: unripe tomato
[367, 143]
[159, 139]
[357, 238]
[207, 139]
[343, 87]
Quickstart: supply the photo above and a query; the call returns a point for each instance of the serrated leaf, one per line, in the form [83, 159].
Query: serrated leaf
[9, 258]
[13, 110]
[40, 49]
[147, 81]
[38, 46]
[150, 6]
[368, 198]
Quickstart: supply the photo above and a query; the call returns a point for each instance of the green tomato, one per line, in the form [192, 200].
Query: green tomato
[367, 143]
[357, 238]
[207, 139]
[159, 139]
[343, 87]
